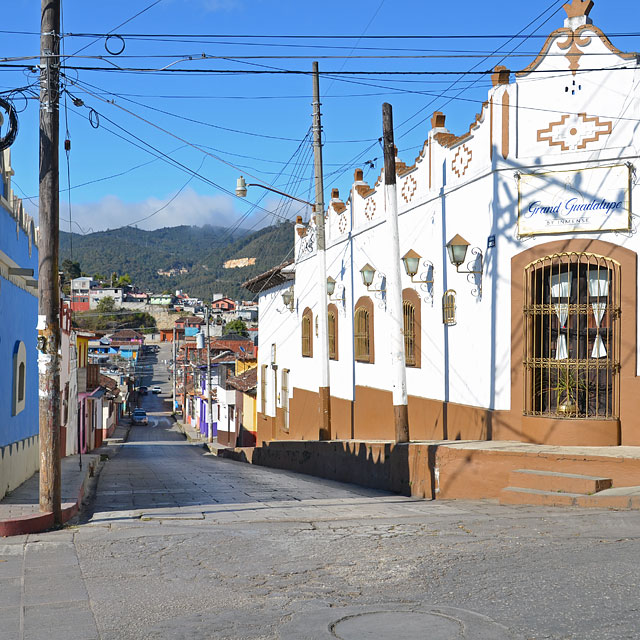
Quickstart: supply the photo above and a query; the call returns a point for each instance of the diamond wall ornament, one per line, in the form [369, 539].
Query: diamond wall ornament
[370, 209]
[461, 160]
[575, 131]
[409, 189]
[342, 223]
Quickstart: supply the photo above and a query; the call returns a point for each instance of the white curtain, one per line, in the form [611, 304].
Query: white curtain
[561, 285]
[599, 350]
[599, 283]
[561, 288]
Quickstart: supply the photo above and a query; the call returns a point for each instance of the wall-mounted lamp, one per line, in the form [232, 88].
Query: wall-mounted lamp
[331, 286]
[368, 273]
[457, 250]
[411, 262]
[287, 298]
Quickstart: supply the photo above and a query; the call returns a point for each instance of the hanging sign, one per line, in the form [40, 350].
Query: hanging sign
[572, 201]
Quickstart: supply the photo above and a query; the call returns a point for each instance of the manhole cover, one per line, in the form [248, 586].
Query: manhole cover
[399, 625]
[388, 621]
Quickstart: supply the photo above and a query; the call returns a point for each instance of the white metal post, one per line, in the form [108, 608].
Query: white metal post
[394, 283]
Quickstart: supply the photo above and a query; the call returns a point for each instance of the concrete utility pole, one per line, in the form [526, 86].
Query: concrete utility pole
[394, 283]
[174, 371]
[48, 286]
[209, 405]
[323, 328]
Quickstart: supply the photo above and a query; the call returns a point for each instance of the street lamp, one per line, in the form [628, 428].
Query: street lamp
[241, 190]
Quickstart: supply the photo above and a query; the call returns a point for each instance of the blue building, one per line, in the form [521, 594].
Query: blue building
[19, 441]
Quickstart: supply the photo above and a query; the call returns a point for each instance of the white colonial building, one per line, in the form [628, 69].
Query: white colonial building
[534, 335]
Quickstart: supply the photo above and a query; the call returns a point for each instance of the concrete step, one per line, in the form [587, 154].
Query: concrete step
[618, 500]
[554, 481]
[520, 495]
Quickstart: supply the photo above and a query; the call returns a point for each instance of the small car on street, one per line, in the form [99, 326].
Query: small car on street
[143, 390]
[156, 390]
[139, 416]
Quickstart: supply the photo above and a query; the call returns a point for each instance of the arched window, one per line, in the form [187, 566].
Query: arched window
[449, 307]
[332, 324]
[572, 336]
[19, 378]
[363, 331]
[307, 334]
[411, 327]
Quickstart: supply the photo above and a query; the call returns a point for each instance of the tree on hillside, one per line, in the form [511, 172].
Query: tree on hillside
[235, 326]
[106, 305]
[70, 269]
[124, 280]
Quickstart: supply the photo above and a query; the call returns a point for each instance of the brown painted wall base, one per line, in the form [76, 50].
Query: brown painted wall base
[371, 417]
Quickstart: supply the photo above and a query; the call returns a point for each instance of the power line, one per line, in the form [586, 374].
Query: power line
[240, 72]
[150, 149]
[332, 36]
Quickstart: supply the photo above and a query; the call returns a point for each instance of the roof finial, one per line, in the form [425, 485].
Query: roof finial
[578, 8]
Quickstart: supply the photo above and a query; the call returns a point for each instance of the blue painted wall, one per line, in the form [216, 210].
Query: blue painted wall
[18, 320]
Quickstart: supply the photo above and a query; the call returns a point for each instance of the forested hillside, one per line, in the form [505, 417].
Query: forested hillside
[201, 251]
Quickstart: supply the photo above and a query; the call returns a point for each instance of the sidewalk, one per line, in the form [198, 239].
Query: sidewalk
[20, 510]
[193, 435]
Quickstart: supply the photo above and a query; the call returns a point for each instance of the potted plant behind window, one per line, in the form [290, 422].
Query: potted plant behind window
[570, 388]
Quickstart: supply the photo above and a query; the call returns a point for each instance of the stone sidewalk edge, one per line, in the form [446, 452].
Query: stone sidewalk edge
[39, 522]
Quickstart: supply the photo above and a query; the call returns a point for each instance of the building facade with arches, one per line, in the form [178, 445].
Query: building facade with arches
[533, 335]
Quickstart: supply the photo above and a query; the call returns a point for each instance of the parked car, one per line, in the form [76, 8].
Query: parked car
[143, 390]
[156, 390]
[139, 416]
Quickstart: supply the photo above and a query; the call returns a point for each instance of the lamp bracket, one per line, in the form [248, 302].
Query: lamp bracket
[474, 275]
[381, 291]
[341, 297]
[426, 280]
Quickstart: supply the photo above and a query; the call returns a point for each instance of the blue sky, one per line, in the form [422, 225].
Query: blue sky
[257, 123]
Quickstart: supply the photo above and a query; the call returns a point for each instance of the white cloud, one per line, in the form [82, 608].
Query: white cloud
[188, 208]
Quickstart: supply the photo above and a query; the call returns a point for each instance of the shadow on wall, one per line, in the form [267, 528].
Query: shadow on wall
[406, 469]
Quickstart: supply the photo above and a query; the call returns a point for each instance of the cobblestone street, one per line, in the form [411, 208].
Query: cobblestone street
[181, 544]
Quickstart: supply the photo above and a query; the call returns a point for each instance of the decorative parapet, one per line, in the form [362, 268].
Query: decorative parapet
[362, 188]
[338, 205]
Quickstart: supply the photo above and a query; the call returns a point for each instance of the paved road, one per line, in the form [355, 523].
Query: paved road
[180, 544]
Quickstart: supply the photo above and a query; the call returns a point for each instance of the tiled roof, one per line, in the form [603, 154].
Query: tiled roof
[126, 334]
[269, 279]
[245, 381]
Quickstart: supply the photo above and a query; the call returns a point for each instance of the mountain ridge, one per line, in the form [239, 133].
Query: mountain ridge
[202, 251]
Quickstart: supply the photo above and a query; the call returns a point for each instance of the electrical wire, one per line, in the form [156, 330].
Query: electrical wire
[150, 149]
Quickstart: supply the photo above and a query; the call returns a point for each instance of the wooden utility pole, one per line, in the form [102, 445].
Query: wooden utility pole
[48, 286]
[394, 283]
[174, 371]
[323, 328]
[209, 398]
